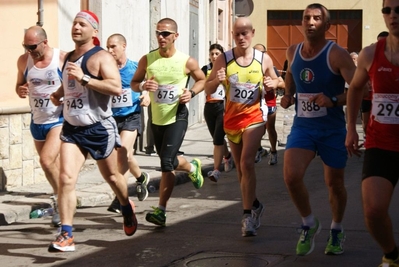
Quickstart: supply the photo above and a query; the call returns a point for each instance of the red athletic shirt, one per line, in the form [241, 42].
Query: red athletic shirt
[383, 126]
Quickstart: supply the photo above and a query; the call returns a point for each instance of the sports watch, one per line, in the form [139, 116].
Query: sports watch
[334, 100]
[85, 79]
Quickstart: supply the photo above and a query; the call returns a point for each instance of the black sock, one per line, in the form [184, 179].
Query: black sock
[228, 156]
[126, 210]
[141, 178]
[393, 255]
[256, 203]
[247, 212]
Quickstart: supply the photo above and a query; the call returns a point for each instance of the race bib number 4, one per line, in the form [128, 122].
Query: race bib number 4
[219, 94]
[307, 109]
[167, 94]
[385, 108]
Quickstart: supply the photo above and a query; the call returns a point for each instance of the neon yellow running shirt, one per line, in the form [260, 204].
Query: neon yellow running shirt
[171, 77]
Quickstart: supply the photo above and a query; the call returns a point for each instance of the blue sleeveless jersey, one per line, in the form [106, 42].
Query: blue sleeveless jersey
[127, 73]
[314, 75]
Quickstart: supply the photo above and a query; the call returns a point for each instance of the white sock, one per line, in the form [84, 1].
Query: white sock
[192, 167]
[162, 208]
[308, 221]
[336, 226]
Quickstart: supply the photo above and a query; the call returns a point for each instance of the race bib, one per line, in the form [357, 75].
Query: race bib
[219, 94]
[244, 93]
[385, 108]
[307, 109]
[123, 100]
[167, 94]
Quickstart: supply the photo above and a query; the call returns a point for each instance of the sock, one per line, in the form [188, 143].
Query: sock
[228, 156]
[247, 212]
[192, 167]
[260, 148]
[141, 178]
[256, 203]
[67, 228]
[336, 226]
[308, 220]
[162, 208]
[393, 255]
[126, 210]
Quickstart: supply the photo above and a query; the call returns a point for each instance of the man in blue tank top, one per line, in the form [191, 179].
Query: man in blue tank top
[126, 109]
[315, 82]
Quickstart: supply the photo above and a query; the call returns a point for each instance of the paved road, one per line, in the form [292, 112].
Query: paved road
[203, 226]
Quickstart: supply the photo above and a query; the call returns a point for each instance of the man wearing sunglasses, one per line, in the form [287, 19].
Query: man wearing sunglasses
[379, 63]
[39, 75]
[167, 71]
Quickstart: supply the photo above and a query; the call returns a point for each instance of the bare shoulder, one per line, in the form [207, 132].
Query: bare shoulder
[192, 63]
[22, 60]
[290, 51]
[368, 52]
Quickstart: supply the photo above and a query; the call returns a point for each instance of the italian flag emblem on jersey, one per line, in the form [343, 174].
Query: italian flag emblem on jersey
[307, 75]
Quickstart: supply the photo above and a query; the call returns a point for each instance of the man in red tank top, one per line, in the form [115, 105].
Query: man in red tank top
[379, 63]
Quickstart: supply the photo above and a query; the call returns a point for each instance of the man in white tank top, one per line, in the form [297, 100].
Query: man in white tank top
[39, 76]
[91, 78]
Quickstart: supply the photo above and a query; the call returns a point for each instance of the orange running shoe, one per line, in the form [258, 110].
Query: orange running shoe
[63, 243]
[130, 221]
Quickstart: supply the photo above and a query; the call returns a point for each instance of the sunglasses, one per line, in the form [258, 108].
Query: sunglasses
[387, 10]
[164, 34]
[32, 47]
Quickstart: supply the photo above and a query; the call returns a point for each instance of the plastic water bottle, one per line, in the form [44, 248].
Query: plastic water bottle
[151, 189]
[39, 213]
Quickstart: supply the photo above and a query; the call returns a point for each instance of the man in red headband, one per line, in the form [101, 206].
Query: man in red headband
[90, 79]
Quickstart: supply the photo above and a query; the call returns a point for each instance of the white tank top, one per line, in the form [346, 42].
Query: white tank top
[83, 106]
[42, 82]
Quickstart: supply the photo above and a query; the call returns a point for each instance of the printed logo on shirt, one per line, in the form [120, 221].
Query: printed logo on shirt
[35, 81]
[50, 75]
[384, 69]
[307, 75]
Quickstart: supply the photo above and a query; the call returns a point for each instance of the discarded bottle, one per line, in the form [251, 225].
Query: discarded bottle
[151, 189]
[39, 213]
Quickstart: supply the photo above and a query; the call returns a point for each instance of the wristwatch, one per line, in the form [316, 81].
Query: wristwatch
[85, 79]
[334, 100]
[192, 93]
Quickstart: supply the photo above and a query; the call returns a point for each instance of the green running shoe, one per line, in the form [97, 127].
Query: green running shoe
[335, 244]
[157, 217]
[196, 176]
[306, 241]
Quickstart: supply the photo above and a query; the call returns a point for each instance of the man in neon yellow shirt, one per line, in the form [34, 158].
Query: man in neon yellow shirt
[167, 71]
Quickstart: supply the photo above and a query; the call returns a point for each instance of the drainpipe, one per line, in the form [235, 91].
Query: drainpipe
[40, 13]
